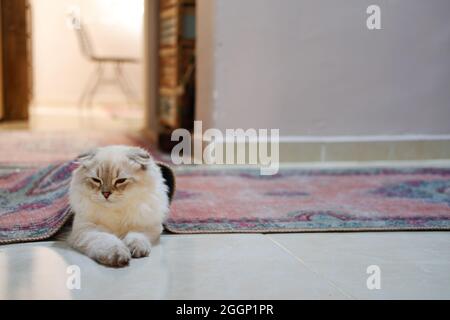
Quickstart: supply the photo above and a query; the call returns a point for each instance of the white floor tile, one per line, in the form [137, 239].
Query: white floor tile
[413, 265]
[181, 267]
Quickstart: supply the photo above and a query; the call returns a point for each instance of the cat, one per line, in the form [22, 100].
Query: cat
[120, 201]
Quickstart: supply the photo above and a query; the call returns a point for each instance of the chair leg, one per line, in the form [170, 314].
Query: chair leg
[96, 85]
[93, 78]
[125, 85]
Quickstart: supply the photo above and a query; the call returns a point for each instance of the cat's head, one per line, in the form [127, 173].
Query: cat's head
[114, 174]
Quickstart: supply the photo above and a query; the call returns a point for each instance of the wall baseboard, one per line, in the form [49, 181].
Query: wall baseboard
[387, 150]
[358, 150]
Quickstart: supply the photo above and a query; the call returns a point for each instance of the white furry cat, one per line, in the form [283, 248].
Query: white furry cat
[120, 201]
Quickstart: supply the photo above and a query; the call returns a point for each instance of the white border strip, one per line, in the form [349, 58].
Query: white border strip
[379, 138]
[347, 139]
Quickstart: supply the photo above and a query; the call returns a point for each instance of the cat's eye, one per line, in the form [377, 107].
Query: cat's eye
[120, 181]
[95, 180]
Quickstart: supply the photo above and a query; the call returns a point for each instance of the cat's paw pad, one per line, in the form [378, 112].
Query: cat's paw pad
[138, 244]
[116, 256]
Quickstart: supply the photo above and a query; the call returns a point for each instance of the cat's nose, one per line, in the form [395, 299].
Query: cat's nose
[106, 194]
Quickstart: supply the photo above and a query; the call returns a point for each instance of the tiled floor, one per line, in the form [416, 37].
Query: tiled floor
[59, 118]
[278, 266]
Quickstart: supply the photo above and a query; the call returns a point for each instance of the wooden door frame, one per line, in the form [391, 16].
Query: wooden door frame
[16, 70]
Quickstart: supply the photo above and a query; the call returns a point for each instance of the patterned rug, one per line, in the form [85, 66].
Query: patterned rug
[33, 203]
[34, 206]
[298, 200]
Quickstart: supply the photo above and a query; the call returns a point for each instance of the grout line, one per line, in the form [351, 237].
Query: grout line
[348, 295]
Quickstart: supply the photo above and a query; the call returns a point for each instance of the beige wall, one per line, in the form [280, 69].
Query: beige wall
[312, 69]
[60, 71]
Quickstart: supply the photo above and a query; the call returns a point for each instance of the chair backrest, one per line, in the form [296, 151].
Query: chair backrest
[83, 37]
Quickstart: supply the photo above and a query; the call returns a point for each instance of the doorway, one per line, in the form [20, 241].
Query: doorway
[46, 71]
[87, 63]
[55, 89]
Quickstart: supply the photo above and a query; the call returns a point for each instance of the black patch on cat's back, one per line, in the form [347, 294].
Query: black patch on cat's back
[169, 179]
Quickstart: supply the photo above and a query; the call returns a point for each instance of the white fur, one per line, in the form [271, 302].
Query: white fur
[124, 226]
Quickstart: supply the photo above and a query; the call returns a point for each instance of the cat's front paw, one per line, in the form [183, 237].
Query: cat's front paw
[117, 255]
[138, 244]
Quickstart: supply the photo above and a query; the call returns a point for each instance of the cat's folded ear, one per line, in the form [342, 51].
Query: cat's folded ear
[140, 156]
[85, 157]
[169, 179]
